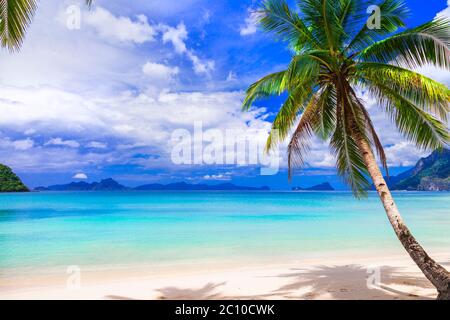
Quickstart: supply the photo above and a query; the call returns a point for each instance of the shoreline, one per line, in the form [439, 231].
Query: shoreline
[343, 277]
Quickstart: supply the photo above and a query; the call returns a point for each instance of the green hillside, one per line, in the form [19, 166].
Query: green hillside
[9, 182]
[429, 174]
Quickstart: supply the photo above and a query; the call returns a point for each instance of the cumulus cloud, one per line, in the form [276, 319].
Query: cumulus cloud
[121, 29]
[61, 142]
[97, 145]
[127, 124]
[159, 72]
[251, 23]
[99, 111]
[177, 36]
[200, 66]
[216, 177]
[435, 73]
[21, 145]
[80, 176]
[444, 13]
[403, 154]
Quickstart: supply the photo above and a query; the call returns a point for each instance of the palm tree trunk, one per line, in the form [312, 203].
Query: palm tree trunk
[434, 272]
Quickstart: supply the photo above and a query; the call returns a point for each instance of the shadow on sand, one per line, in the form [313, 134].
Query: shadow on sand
[329, 282]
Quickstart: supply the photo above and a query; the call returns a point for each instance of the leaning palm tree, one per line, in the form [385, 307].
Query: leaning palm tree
[15, 18]
[335, 53]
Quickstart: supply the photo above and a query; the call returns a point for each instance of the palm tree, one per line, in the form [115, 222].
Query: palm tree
[15, 18]
[334, 53]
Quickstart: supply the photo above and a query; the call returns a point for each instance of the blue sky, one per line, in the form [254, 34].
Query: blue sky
[103, 100]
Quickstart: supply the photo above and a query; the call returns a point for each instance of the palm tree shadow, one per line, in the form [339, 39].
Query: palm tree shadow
[335, 283]
[209, 291]
[331, 282]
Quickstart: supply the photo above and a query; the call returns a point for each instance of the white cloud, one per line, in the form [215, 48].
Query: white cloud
[435, 73]
[80, 176]
[444, 13]
[81, 60]
[20, 145]
[128, 123]
[404, 154]
[177, 36]
[97, 145]
[216, 177]
[23, 144]
[251, 23]
[61, 142]
[29, 132]
[122, 29]
[201, 67]
[159, 72]
[35, 84]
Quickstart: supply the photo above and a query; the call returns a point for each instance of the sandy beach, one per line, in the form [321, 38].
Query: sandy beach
[390, 277]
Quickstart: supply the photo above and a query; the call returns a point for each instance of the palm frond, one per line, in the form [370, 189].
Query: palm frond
[349, 162]
[424, 92]
[287, 115]
[418, 126]
[370, 130]
[277, 17]
[301, 138]
[392, 16]
[324, 19]
[326, 112]
[274, 83]
[334, 49]
[425, 44]
[15, 18]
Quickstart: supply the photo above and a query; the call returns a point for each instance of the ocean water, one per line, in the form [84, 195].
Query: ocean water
[51, 229]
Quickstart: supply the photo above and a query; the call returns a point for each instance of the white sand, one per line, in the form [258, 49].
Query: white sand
[393, 277]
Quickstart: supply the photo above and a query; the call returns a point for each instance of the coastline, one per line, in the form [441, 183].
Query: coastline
[343, 277]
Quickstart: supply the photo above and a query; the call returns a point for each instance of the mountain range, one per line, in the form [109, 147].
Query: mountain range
[104, 185]
[429, 174]
[112, 185]
[319, 187]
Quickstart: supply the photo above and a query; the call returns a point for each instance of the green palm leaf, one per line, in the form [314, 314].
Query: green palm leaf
[336, 50]
[418, 126]
[429, 95]
[15, 18]
[276, 16]
[349, 161]
[392, 16]
[425, 44]
[301, 138]
[269, 85]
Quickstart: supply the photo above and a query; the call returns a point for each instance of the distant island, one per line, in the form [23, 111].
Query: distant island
[112, 185]
[186, 186]
[319, 187]
[429, 174]
[104, 185]
[9, 181]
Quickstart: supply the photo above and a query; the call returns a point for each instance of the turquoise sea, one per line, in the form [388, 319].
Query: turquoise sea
[51, 229]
